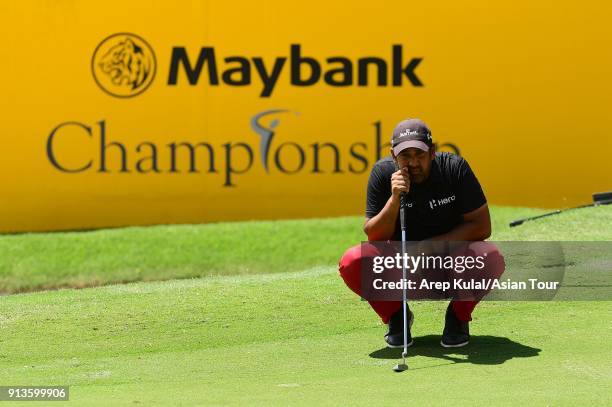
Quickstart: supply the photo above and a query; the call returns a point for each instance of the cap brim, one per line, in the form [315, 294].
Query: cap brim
[410, 144]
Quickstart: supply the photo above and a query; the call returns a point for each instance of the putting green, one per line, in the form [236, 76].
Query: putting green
[298, 338]
[268, 336]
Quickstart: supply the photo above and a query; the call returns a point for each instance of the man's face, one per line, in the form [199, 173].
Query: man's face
[417, 161]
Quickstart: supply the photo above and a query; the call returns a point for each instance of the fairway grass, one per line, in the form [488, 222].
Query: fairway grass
[285, 333]
[38, 261]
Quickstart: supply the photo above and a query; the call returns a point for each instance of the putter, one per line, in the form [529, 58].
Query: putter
[600, 198]
[400, 367]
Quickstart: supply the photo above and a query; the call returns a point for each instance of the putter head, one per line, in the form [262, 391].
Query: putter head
[602, 198]
[400, 367]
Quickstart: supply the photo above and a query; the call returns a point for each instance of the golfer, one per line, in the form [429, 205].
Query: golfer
[444, 201]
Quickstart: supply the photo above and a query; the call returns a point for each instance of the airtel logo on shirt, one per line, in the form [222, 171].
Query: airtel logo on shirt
[433, 203]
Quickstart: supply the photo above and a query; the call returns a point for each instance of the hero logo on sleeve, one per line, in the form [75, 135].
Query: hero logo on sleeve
[433, 203]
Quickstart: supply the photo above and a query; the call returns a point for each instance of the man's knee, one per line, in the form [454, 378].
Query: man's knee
[495, 264]
[351, 263]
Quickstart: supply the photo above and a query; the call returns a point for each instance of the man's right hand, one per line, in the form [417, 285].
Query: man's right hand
[400, 182]
[382, 226]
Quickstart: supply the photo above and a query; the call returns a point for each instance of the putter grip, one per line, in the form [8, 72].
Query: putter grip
[516, 222]
[401, 214]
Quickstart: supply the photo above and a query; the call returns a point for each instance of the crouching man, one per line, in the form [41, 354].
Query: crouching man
[443, 201]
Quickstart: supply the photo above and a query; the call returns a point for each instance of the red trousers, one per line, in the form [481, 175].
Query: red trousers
[350, 271]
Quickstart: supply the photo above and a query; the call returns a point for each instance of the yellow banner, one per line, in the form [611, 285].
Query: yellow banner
[128, 113]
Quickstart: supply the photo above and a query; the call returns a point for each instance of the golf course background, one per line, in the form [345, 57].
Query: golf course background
[521, 88]
[260, 316]
[178, 181]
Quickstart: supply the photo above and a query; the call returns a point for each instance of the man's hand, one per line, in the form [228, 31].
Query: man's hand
[382, 226]
[400, 182]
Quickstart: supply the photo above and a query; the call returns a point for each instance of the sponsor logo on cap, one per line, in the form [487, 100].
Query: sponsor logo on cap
[409, 132]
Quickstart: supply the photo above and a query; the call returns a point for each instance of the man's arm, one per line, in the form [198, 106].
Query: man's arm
[382, 226]
[475, 225]
[475, 222]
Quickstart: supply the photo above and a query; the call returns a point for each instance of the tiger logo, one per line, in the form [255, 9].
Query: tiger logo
[123, 65]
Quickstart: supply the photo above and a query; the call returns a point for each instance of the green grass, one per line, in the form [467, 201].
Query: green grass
[266, 337]
[299, 338]
[81, 259]
[586, 224]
